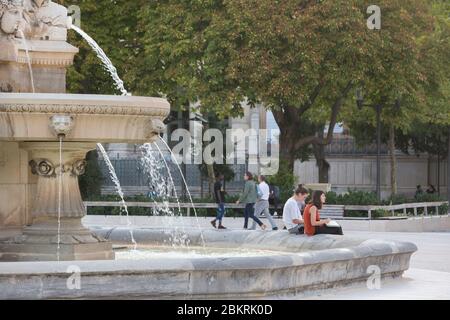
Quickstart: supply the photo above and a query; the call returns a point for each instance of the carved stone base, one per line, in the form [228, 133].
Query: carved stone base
[39, 242]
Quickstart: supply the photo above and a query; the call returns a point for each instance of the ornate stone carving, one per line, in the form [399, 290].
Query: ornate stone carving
[45, 20]
[42, 167]
[156, 126]
[83, 109]
[5, 87]
[45, 168]
[11, 17]
[78, 168]
[61, 124]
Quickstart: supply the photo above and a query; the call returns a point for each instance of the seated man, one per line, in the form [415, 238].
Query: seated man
[291, 211]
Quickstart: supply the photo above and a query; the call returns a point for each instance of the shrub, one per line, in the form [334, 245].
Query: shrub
[356, 197]
[285, 180]
[396, 199]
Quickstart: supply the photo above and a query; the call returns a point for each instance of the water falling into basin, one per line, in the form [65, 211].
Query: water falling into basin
[187, 188]
[30, 69]
[152, 167]
[58, 248]
[105, 60]
[116, 182]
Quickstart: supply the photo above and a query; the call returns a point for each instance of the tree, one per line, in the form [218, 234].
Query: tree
[113, 24]
[421, 88]
[301, 59]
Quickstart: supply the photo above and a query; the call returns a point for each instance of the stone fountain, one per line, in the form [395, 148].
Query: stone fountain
[31, 125]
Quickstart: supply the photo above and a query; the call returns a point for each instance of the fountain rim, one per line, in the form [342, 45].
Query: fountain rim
[85, 99]
[52, 103]
[284, 259]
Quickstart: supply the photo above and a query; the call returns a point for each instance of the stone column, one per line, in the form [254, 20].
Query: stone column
[40, 240]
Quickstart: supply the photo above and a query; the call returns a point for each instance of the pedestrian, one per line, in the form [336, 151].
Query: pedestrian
[291, 212]
[249, 197]
[431, 189]
[419, 191]
[274, 198]
[262, 203]
[219, 195]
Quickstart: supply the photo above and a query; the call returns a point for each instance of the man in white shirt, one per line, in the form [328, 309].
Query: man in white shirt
[291, 212]
[262, 204]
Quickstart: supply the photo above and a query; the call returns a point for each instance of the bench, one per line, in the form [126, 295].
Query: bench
[332, 211]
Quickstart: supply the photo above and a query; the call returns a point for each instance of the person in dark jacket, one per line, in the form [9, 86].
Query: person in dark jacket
[219, 195]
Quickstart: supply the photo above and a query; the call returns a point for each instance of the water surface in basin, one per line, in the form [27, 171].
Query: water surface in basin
[188, 253]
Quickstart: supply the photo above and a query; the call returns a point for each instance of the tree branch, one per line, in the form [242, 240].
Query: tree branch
[333, 119]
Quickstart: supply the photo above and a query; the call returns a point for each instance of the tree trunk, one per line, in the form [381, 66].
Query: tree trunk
[321, 162]
[296, 134]
[287, 151]
[393, 160]
[448, 171]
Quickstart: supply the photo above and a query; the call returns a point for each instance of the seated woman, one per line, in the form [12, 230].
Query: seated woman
[291, 211]
[311, 216]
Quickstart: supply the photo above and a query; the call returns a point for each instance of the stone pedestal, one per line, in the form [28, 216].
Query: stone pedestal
[49, 60]
[50, 238]
[17, 188]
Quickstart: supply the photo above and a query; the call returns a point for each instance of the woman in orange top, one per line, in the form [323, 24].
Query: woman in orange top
[311, 216]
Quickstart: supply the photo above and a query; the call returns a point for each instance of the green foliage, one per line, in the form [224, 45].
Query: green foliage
[429, 197]
[285, 180]
[396, 199]
[380, 213]
[332, 197]
[224, 169]
[114, 25]
[294, 57]
[421, 82]
[356, 197]
[91, 181]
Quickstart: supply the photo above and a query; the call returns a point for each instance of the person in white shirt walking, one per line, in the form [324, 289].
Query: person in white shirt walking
[262, 204]
[291, 212]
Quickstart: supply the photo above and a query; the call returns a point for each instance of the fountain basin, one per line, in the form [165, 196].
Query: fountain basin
[304, 264]
[97, 118]
[30, 128]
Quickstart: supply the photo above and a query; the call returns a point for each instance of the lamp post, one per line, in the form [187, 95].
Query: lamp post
[378, 109]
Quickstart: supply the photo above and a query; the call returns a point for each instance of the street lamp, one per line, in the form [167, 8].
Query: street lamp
[378, 108]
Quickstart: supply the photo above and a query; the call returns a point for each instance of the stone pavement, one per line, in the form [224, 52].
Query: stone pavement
[427, 278]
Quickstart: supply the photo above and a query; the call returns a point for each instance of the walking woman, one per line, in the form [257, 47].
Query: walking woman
[311, 216]
[249, 198]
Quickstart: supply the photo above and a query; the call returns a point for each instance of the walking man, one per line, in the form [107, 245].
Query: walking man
[262, 204]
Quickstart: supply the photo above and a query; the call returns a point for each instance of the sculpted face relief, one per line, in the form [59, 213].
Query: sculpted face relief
[11, 21]
[11, 15]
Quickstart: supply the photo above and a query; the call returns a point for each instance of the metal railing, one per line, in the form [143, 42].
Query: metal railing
[369, 208]
[403, 207]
